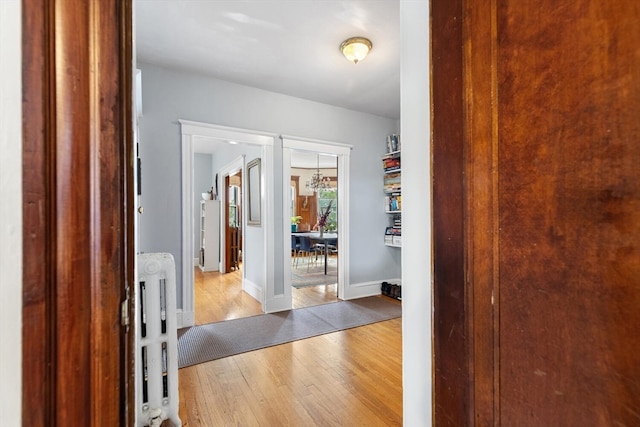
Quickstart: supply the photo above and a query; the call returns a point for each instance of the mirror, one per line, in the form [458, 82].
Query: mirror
[253, 195]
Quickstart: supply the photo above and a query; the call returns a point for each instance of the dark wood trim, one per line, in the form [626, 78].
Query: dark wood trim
[78, 229]
[481, 227]
[129, 157]
[451, 379]
[37, 355]
[535, 188]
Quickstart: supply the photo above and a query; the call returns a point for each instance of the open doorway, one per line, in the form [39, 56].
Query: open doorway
[219, 293]
[328, 162]
[232, 221]
[314, 228]
[232, 150]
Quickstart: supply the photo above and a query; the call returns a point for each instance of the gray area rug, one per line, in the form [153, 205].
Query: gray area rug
[301, 277]
[204, 343]
[304, 280]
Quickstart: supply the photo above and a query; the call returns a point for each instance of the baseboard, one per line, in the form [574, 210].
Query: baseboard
[252, 289]
[279, 303]
[196, 262]
[366, 289]
[185, 318]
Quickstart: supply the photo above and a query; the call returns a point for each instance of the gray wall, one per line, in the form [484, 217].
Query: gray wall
[169, 95]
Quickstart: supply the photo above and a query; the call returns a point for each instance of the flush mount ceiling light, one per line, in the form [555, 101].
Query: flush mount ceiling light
[355, 49]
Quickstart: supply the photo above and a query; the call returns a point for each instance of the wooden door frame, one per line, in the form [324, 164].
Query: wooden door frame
[78, 198]
[452, 381]
[464, 146]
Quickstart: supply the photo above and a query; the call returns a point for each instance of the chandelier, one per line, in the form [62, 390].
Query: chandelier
[317, 181]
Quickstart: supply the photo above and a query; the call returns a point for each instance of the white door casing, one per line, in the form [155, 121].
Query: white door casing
[191, 130]
[342, 152]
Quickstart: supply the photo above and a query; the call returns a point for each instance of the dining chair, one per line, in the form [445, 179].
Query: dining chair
[295, 248]
[307, 249]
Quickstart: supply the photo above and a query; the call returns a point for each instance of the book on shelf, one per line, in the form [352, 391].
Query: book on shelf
[392, 182]
[393, 202]
[393, 236]
[391, 164]
[393, 231]
[393, 143]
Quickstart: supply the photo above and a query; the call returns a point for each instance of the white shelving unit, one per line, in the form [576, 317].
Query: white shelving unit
[209, 257]
[393, 198]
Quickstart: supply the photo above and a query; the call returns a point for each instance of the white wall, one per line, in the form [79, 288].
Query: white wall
[169, 95]
[10, 214]
[416, 214]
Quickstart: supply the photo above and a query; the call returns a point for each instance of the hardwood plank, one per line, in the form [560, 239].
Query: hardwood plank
[220, 297]
[327, 380]
[334, 379]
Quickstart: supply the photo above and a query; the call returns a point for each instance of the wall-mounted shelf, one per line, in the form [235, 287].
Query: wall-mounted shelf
[392, 188]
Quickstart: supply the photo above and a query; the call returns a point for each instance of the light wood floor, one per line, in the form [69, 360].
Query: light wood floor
[347, 378]
[220, 297]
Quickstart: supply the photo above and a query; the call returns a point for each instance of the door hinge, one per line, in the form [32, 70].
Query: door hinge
[124, 309]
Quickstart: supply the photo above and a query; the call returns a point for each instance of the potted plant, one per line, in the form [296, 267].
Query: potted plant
[323, 217]
[295, 220]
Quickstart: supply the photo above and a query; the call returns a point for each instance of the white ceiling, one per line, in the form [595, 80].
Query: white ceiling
[284, 46]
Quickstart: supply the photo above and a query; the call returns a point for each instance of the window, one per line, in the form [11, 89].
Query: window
[324, 198]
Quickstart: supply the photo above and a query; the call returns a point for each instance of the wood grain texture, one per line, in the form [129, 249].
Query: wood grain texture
[77, 117]
[481, 209]
[335, 379]
[551, 219]
[569, 200]
[451, 380]
[220, 297]
[37, 225]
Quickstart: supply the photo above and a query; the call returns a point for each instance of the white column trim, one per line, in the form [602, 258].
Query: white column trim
[187, 317]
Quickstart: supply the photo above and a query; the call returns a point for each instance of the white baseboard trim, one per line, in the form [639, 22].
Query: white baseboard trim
[252, 289]
[279, 303]
[196, 262]
[185, 318]
[366, 289]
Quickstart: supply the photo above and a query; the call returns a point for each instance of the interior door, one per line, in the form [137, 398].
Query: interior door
[233, 221]
[536, 218]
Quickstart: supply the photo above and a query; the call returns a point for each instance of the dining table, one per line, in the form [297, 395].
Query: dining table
[325, 238]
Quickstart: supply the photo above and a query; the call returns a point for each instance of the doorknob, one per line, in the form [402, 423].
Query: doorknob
[140, 209]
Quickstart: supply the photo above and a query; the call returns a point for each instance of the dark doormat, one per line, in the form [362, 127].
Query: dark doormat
[204, 343]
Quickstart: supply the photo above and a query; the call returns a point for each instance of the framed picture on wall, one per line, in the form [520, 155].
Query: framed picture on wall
[254, 199]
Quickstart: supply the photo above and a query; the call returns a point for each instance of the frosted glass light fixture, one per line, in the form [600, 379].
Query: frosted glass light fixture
[355, 49]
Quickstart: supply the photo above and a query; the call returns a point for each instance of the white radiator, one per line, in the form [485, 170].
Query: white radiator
[156, 358]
